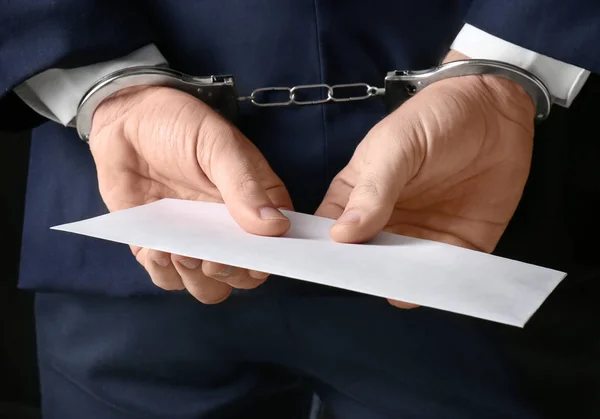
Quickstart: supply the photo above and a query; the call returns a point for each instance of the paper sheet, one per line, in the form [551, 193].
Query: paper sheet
[417, 271]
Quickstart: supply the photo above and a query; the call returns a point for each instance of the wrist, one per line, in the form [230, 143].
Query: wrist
[119, 106]
[505, 93]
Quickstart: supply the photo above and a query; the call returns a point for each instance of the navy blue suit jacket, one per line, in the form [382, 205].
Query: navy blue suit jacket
[263, 43]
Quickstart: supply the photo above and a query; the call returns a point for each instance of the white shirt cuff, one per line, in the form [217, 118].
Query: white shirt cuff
[563, 80]
[56, 93]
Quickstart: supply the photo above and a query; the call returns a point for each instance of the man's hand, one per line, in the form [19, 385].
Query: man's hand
[449, 165]
[156, 142]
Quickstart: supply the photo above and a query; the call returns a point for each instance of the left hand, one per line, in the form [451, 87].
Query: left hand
[449, 165]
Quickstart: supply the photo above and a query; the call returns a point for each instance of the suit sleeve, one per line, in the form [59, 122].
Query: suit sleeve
[566, 30]
[36, 35]
[56, 93]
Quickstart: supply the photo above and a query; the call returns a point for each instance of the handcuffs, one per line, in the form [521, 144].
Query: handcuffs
[219, 92]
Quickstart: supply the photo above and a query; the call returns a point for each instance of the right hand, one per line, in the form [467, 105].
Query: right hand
[151, 143]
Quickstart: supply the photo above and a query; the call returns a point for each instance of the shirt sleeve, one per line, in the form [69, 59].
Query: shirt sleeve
[55, 93]
[562, 79]
[39, 35]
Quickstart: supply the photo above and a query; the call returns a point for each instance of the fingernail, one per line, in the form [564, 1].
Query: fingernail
[225, 272]
[269, 213]
[190, 263]
[350, 217]
[163, 262]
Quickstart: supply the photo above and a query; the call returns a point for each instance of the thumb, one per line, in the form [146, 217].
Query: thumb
[371, 202]
[243, 177]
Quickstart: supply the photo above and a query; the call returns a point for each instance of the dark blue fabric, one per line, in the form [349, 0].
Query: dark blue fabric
[566, 30]
[171, 357]
[126, 357]
[263, 43]
[168, 356]
[39, 34]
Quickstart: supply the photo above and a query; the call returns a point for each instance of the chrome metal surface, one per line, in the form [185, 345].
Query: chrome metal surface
[415, 81]
[140, 76]
[219, 91]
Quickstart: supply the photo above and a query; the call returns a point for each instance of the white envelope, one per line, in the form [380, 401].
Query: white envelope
[418, 271]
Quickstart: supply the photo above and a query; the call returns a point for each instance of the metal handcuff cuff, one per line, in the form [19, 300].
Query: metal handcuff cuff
[219, 92]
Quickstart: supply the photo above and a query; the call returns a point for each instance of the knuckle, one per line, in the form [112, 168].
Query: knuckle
[177, 258]
[369, 187]
[246, 283]
[280, 197]
[246, 183]
[217, 271]
[258, 275]
[197, 282]
[212, 299]
[341, 185]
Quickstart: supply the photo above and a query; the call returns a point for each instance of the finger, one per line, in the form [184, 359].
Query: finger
[161, 269]
[276, 191]
[403, 305]
[236, 277]
[368, 210]
[204, 289]
[421, 232]
[232, 167]
[336, 198]
[373, 197]
[258, 274]
[329, 210]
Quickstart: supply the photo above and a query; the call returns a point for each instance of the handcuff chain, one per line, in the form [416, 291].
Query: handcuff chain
[333, 94]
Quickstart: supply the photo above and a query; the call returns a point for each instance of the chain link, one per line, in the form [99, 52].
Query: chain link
[332, 96]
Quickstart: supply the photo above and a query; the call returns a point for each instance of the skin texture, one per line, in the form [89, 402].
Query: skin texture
[157, 142]
[449, 165]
